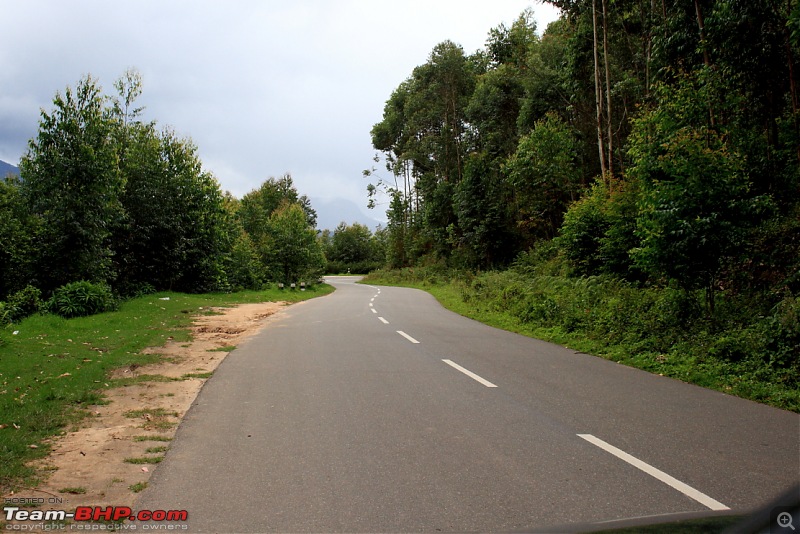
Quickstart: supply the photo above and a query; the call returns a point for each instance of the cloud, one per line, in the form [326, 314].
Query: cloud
[262, 87]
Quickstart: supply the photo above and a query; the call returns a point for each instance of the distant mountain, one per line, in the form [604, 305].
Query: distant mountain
[7, 168]
[331, 212]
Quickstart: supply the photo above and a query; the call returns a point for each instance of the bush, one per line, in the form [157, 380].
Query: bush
[23, 303]
[781, 335]
[78, 299]
[5, 314]
[598, 231]
[134, 289]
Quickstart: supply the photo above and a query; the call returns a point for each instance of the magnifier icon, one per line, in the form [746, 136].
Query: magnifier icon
[785, 520]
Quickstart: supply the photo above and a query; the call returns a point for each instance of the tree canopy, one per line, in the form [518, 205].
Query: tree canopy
[656, 141]
[108, 199]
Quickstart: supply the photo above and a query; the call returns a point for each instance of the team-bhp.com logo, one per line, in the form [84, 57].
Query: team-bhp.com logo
[88, 517]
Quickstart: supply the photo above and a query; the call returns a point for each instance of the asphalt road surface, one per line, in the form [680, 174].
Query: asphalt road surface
[376, 410]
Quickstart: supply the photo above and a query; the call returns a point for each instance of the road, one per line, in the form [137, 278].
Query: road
[376, 410]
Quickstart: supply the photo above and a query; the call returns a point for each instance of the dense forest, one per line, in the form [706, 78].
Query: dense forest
[648, 147]
[109, 206]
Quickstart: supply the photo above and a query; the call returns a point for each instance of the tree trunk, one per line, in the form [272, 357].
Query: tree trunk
[608, 93]
[706, 57]
[790, 61]
[701, 26]
[598, 93]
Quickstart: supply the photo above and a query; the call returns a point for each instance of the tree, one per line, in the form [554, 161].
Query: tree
[487, 235]
[257, 205]
[255, 210]
[545, 177]
[176, 230]
[350, 243]
[292, 251]
[18, 233]
[424, 136]
[696, 202]
[72, 183]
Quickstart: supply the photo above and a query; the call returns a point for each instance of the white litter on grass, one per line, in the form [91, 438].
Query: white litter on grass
[15, 332]
[163, 298]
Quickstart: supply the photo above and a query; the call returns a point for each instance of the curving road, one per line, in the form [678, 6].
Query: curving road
[376, 410]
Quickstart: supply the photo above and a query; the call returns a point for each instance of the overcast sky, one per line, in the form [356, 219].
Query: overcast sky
[262, 87]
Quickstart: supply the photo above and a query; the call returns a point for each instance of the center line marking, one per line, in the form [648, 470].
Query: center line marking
[384, 321]
[470, 374]
[687, 490]
[374, 310]
[411, 339]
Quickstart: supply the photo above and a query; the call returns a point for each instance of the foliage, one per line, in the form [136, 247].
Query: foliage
[598, 232]
[174, 233]
[107, 198]
[545, 177]
[243, 268]
[290, 246]
[18, 234]
[23, 303]
[72, 182]
[696, 202]
[350, 244]
[257, 205]
[79, 299]
[353, 249]
[487, 152]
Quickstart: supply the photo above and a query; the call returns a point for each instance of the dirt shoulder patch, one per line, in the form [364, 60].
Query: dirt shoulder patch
[111, 457]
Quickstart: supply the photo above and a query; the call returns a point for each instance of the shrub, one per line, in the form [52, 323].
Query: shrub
[5, 314]
[23, 303]
[134, 289]
[781, 335]
[82, 298]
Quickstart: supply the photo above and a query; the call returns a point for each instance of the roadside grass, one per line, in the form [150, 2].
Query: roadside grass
[138, 487]
[226, 348]
[144, 460]
[152, 438]
[54, 370]
[635, 327]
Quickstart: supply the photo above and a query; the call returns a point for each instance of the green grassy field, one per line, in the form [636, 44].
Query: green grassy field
[52, 370]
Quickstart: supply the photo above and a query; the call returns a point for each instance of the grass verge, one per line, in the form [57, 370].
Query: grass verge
[54, 370]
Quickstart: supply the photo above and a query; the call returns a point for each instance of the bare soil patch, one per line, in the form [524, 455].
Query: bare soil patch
[142, 415]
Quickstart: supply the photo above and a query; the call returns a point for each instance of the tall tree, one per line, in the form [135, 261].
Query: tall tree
[18, 233]
[293, 252]
[545, 178]
[72, 182]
